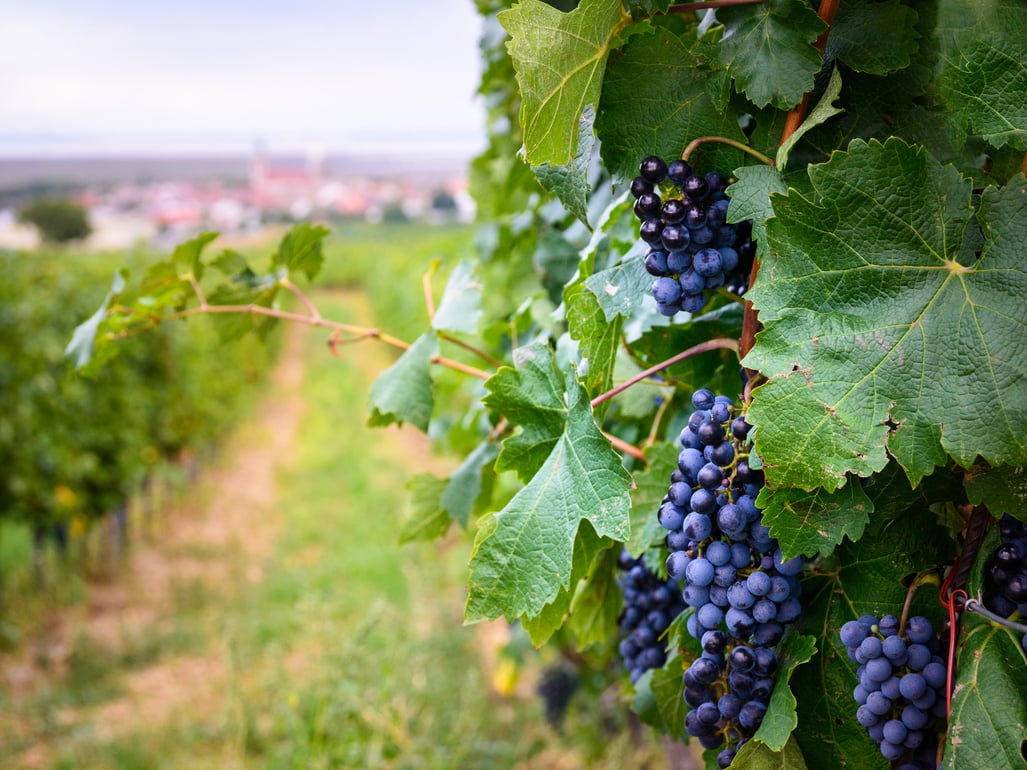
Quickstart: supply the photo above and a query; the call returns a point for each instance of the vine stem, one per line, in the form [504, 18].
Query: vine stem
[623, 446]
[317, 321]
[720, 343]
[921, 579]
[827, 11]
[695, 143]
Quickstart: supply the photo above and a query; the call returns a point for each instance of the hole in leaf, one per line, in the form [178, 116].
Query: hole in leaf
[747, 123]
[839, 721]
[1023, 749]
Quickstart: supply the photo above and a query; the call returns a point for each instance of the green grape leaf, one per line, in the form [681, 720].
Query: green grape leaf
[750, 198]
[570, 182]
[989, 700]
[881, 326]
[811, 523]
[989, 697]
[522, 555]
[668, 687]
[650, 487]
[427, 519]
[622, 288]
[186, 257]
[983, 75]
[530, 395]
[403, 392]
[873, 37]
[1002, 489]
[767, 49]
[780, 719]
[825, 110]
[301, 249]
[469, 483]
[587, 549]
[559, 59]
[231, 263]
[659, 696]
[654, 101]
[597, 602]
[643, 704]
[862, 577]
[755, 755]
[460, 307]
[80, 346]
[597, 338]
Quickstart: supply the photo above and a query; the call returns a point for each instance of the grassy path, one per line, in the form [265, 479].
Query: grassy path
[276, 623]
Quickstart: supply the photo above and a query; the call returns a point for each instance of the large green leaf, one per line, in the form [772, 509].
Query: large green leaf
[1002, 489]
[403, 392]
[570, 182]
[469, 484]
[983, 73]
[588, 552]
[768, 51]
[655, 101]
[780, 719]
[872, 37]
[531, 396]
[598, 339]
[522, 555]
[811, 523]
[755, 755]
[883, 331]
[989, 701]
[559, 59]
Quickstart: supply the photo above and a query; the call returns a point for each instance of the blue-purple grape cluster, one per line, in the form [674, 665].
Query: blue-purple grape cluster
[692, 247]
[901, 690]
[744, 594]
[651, 604]
[1006, 573]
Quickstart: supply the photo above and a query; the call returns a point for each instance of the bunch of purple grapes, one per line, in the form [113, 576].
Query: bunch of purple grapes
[692, 247]
[901, 690]
[743, 592]
[1006, 574]
[650, 605]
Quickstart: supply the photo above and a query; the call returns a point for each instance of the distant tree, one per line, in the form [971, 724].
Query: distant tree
[443, 201]
[393, 213]
[58, 220]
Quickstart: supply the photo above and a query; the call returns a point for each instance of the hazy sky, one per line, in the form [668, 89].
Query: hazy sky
[221, 75]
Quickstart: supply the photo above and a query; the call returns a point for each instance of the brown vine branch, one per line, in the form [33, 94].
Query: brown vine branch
[314, 313]
[358, 331]
[470, 348]
[827, 11]
[623, 446]
[715, 344]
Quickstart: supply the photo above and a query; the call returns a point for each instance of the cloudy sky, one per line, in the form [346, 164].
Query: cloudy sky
[86, 76]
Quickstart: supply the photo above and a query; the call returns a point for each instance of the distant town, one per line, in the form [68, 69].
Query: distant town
[158, 202]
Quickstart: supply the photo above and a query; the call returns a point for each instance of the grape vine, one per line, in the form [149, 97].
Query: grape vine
[847, 180]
